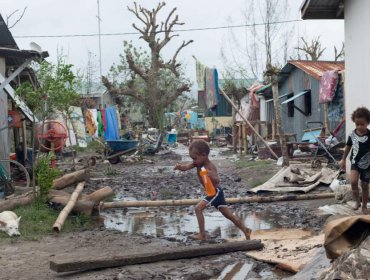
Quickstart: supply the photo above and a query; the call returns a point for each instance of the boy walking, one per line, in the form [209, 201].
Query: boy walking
[199, 151]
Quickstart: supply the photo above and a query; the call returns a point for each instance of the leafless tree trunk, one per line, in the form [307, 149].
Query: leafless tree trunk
[156, 99]
[313, 50]
[338, 54]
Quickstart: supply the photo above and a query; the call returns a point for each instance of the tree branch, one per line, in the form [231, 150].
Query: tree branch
[20, 17]
[129, 91]
[171, 98]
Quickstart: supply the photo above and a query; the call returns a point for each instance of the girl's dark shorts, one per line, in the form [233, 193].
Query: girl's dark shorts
[364, 173]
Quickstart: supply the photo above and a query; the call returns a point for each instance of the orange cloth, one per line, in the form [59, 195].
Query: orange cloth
[90, 123]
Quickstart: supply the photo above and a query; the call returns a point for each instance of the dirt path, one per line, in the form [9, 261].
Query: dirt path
[20, 259]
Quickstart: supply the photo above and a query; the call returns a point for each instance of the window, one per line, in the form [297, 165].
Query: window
[307, 103]
[290, 106]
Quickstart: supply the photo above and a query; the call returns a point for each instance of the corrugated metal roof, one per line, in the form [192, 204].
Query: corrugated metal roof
[313, 68]
[322, 9]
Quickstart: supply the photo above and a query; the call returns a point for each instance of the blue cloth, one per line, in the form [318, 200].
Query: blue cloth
[112, 131]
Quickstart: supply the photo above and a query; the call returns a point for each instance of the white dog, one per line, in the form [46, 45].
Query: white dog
[9, 223]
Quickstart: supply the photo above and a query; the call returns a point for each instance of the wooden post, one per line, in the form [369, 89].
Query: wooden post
[245, 138]
[234, 126]
[240, 138]
[248, 123]
[279, 121]
[4, 145]
[326, 119]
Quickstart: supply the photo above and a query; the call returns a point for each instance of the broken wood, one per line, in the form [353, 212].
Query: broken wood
[149, 257]
[249, 124]
[16, 201]
[246, 199]
[71, 178]
[85, 204]
[68, 208]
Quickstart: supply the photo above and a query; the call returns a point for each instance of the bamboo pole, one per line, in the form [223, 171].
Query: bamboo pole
[248, 123]
[183, 202]
[68, 208]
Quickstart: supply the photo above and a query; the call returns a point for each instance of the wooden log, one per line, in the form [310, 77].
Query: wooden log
[16, 201]
[85, 204]
[100, 194]
[68, 208]
[149, 257]
[71, 178]
[183, 202]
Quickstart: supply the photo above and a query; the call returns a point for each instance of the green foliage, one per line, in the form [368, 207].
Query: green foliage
[45, 175]
[243, 163]
[109, 170]
[38, 219]
[58, 87]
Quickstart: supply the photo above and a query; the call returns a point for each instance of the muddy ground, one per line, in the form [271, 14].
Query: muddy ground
[127, 231]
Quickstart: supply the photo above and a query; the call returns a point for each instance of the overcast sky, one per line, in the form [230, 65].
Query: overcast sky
[73, 17]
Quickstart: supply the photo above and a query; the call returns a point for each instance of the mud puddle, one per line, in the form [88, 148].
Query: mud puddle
[169, 223]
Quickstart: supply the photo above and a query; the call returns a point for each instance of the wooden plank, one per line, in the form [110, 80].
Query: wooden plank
[149, 257]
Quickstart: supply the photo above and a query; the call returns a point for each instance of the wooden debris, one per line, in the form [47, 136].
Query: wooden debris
[71, 178]
[246, 199]
[149, 257]
[68, 208]
[16, 201]
[85, 204]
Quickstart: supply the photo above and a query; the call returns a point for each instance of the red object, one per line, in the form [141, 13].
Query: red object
[13, 156]
[328, 84]
[14, 119]
[52, 136]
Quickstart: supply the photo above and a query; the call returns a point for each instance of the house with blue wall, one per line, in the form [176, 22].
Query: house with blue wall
[299, 88]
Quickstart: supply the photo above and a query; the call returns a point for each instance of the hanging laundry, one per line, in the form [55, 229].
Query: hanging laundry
[100, 124]
[328, 84]
[103, 119]
[112, 131]
[90, 122]
[201, 75]
[212, 90]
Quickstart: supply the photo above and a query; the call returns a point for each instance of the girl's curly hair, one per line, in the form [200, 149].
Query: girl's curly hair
[361, 113]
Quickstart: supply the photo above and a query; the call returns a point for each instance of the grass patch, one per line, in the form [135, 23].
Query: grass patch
[38, 220]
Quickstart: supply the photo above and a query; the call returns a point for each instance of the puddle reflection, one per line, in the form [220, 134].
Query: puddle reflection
[166, 223]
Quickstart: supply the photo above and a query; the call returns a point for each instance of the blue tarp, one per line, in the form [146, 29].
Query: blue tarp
[112, 131]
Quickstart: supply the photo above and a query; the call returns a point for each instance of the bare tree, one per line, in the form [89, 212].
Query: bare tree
[17, 20]
[339, 54]
[158, 94]
[313, 50]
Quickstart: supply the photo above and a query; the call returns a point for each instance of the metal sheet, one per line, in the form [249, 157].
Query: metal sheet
[295, 96]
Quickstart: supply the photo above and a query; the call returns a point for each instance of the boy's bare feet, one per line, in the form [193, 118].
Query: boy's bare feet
[365, 211]
[198, 236]
[357, 205]
[247, 233]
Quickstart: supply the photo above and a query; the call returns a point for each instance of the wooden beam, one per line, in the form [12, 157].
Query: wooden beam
[149, 257]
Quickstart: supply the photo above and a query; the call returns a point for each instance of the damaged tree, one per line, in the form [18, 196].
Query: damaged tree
[148, 78]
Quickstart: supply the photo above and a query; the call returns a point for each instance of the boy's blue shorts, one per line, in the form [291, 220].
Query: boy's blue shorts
[218, 200]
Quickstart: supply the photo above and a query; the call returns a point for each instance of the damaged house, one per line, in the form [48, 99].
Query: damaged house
[299, 90]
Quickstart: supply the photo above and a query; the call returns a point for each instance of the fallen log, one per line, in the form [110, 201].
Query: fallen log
[149, 257]
[14, 202]
[85, 204]
[68, 208]
[182, 202]
[71, 178]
